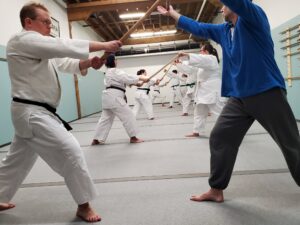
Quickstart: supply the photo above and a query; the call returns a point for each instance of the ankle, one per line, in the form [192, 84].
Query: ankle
[84, 206]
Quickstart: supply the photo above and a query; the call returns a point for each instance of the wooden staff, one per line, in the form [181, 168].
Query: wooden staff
[152, 8]
[165, 84]
[173, 59]
[138, 23]
[166, 72]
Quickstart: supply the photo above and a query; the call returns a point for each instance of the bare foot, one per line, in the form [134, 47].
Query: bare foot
[170, 107]
[135, 140]
[6, 206]
[214, 195]
[96, 142]
[87, 214]
[152, 118]
[185, 114]
[193, 135]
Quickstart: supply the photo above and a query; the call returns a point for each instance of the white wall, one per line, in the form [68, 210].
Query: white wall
[279, 12]
[9, 15]
[10, 22]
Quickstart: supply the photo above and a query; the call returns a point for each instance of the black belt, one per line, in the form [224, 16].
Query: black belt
[175, 85]
[46, 106]
[145, 89]
[118, 88]
[115, 87]
[157, 91]
[191, 84]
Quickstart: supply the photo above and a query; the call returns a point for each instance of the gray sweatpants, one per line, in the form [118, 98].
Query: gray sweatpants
[272, 111]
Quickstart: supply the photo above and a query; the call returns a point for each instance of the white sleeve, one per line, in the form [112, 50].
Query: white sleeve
[208, 62]
[68, 65]
[185, 69]
[127, 78]
[34, 45]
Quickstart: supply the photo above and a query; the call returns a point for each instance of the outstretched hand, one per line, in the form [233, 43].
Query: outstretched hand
[163, 10]
[169, 12]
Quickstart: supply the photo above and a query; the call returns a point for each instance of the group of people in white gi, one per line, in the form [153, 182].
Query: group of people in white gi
[199, 72]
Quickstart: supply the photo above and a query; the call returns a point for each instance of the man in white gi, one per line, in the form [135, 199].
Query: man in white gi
[33, 58]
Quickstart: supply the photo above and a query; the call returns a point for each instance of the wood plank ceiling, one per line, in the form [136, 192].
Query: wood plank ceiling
[103, 17]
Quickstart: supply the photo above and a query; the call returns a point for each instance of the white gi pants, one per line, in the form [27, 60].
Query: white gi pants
[57, 147]
[124, 113]
[186, 101]
[180, 92]
[201, 113]
[173, 95]
[146, 104]
[156, 95]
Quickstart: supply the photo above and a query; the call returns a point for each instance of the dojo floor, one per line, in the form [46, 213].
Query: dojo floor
[151, 183]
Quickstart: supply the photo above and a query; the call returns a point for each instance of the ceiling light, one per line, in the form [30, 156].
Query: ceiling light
[131, 15]
[151, 34]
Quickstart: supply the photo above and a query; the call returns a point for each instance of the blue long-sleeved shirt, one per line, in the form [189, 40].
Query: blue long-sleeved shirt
[249, 66]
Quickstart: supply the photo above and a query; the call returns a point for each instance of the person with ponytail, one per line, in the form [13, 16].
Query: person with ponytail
[142, 98]
[114, 102]
[207, 97]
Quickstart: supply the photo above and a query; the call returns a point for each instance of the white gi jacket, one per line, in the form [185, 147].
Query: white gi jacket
[175, 79]
[191, 71]
[38, 80]
[208, 86]
[143, 93]
[33, 59]
[113, 98]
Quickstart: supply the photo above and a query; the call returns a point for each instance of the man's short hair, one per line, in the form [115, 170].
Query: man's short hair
[29, 11]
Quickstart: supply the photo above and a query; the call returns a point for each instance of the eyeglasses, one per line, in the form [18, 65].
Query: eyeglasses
[45, 21]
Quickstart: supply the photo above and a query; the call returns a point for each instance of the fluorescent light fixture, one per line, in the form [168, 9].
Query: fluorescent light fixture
[131, 15]
[151, 34]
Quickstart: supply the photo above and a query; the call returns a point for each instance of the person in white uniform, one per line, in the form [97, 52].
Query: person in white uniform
[174, 87]
[142, 98]
[191, 73]
[156, 93]
[182, 86]
[208, 87]
[114, 103]
[33, 58]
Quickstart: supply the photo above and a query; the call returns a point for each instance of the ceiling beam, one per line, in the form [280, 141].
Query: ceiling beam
[81, 11]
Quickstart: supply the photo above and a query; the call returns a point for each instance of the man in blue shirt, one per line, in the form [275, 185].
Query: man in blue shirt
[255, 87]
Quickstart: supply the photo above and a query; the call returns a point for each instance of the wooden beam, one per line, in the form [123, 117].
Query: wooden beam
[112, 18]
[99, 28]
[104, 21]
[81, 11]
